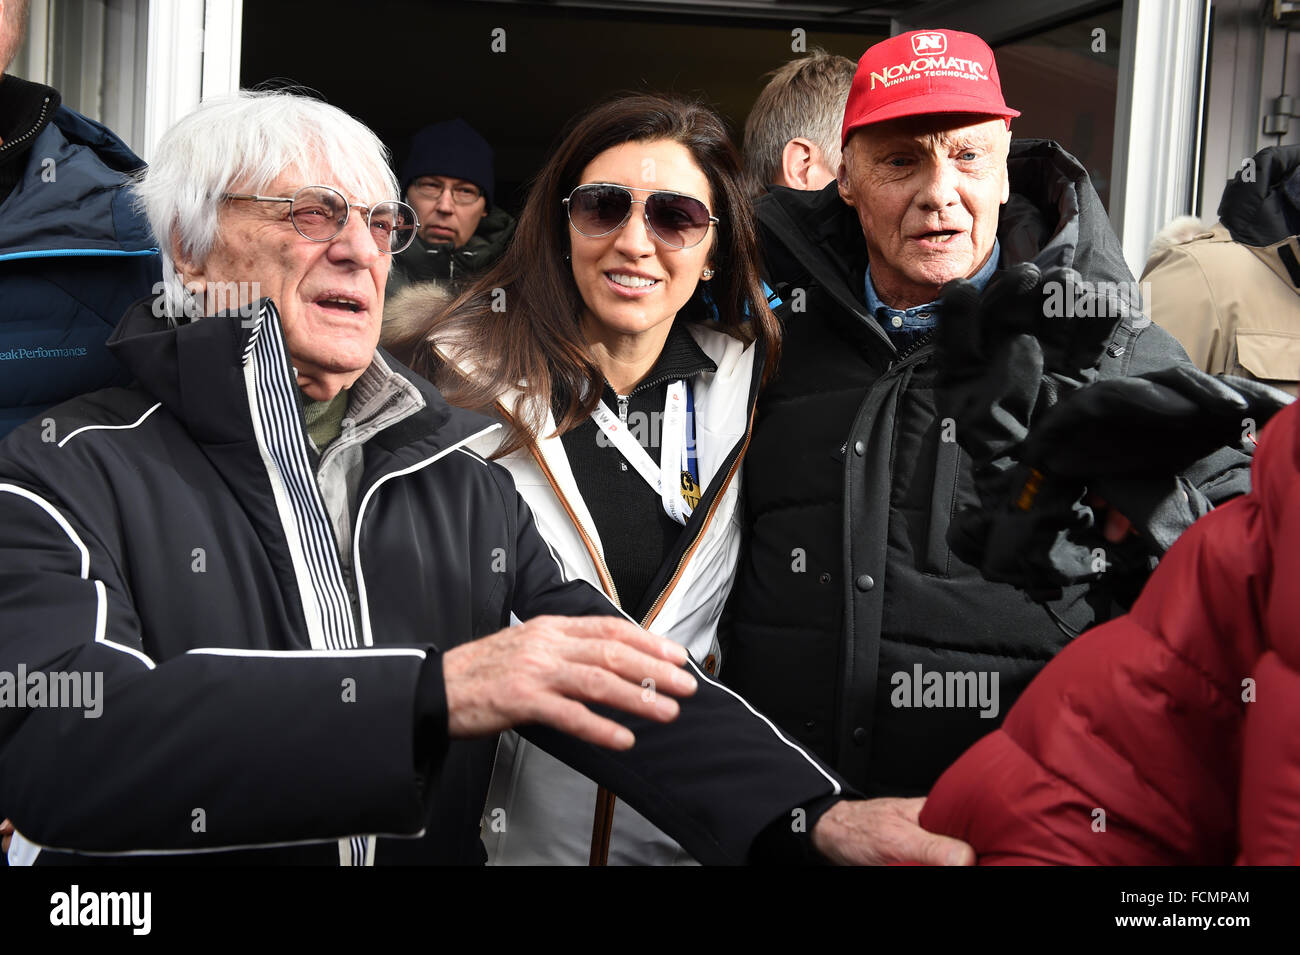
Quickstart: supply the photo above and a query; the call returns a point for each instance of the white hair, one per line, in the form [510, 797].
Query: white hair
[242, 143]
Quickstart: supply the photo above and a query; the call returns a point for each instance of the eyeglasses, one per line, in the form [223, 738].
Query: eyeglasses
[599, 208]
[319, 213]
[462, 195]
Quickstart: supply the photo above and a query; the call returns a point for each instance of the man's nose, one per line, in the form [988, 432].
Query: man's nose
[445, 205]
[635, 238]
[355, 243]
[939, 188]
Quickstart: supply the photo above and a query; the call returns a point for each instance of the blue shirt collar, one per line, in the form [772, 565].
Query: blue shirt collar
[912, 317]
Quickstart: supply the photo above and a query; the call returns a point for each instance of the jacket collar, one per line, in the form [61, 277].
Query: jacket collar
[681, 357]
[198, 371]
[91, 165]
[26, 109]
[1053, 218]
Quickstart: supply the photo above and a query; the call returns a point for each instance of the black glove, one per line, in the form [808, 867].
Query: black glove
[1007, 354]
[1125, 440]
[1152, 424]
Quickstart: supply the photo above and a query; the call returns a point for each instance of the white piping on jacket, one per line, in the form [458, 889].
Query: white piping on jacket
[101, 592]
[110, 427]
[367, 636]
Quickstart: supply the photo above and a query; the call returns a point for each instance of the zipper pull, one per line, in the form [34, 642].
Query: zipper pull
[622, 408]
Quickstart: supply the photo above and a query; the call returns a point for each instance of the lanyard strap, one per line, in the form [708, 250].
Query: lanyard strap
[681, 492]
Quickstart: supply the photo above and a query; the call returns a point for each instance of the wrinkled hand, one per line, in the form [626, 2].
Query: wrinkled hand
[884, 831]
[539, 671]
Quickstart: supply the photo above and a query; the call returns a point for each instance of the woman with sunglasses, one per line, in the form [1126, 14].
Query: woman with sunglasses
[622, 341]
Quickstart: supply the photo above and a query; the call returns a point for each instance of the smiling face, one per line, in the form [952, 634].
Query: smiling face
[927, 194]
[330, 295]
[632, 285]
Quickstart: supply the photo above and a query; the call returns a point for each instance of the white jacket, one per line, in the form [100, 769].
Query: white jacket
[538, 810]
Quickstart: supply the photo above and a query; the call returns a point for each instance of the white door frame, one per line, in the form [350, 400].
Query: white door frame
[194, 48]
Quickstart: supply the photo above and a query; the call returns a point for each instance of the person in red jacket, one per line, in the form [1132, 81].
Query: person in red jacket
[1168, 735]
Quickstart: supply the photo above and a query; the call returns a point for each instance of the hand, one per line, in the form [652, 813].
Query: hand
[537, 673]
[1009, 352]
[6, 835]
[881, 831]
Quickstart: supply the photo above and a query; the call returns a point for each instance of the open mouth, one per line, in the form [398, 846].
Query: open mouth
[337, 303]
[631, 281]
[939, 235]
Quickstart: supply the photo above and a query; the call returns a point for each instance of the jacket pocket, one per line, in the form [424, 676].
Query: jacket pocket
[1270, 357]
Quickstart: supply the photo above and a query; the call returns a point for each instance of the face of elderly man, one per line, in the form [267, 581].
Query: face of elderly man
[927, 190]
[331, 343]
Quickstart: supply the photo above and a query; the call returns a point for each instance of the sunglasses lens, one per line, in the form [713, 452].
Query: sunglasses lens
[681, 221]
[597, 210]
[318, 213]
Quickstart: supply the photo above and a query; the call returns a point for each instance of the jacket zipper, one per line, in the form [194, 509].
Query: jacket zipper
[690, 551]
[45, 108]
[606, 578]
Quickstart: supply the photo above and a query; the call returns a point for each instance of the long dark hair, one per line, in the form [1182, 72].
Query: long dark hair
[520, 321]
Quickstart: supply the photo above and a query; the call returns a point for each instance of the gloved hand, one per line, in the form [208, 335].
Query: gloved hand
[1007, 354]
[1004, 356]
[1152, 424]
[1125, 440]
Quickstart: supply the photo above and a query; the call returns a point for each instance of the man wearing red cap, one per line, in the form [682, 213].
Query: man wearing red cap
[854, 623]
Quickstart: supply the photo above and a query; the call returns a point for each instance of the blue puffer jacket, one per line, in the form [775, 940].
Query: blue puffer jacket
[73, 256]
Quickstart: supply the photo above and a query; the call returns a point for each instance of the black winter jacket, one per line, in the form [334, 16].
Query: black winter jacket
[171, 537]
[847, 583]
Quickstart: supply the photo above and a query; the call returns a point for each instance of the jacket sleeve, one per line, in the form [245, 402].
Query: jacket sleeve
[1127, 748]
[715, 777]
[1182, 302]
[214, 748]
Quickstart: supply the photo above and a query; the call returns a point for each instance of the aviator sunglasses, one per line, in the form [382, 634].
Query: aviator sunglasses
[598, 208]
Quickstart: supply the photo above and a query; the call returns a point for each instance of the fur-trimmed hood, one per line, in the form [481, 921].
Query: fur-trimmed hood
[408, 309]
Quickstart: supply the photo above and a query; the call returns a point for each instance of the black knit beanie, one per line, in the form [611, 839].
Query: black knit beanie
[450, 149]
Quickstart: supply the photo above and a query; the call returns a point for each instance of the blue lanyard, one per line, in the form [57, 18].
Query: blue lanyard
[692, 464]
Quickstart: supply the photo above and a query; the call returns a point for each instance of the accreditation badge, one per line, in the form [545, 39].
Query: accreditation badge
[690, 490]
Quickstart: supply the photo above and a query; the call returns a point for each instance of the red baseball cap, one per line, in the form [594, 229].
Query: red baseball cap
[925, 71]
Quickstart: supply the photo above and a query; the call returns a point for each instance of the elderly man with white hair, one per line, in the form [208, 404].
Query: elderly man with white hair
[293, 584]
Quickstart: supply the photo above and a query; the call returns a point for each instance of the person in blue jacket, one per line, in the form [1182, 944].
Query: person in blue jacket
[73, 252]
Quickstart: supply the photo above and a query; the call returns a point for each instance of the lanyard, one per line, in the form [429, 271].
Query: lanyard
[681, 492]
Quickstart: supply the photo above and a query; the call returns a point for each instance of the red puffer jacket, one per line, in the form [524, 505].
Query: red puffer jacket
[1170, 735]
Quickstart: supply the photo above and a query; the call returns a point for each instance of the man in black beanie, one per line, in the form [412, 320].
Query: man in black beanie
[449, 181]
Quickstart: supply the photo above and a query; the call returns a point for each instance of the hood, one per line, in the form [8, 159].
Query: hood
[198, 372]
[1265, 208]
[407, 309]
[1053, 218]
[74, 164]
